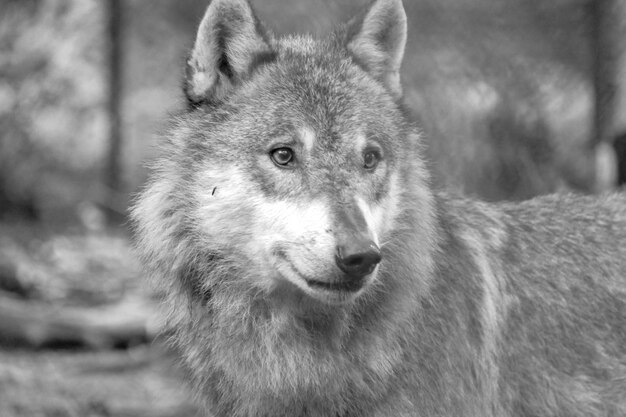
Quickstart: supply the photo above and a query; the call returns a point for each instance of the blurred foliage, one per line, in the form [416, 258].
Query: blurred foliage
[52, 121]
[70, 268]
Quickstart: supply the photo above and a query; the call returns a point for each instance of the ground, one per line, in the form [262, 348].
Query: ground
[83, 270]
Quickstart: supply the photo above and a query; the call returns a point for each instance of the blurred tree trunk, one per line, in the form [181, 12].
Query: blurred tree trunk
[607, 49]
[606, 44]
[113, 175]
[620, 148]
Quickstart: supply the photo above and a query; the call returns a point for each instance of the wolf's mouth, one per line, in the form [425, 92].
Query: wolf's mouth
[348, 286]
[334, 286]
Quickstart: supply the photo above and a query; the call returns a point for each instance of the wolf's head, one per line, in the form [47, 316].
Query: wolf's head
[294, 160]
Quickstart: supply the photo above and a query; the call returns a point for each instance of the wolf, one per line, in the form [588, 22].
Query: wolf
[308, 267]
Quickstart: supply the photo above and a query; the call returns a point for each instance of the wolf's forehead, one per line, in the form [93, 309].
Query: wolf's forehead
[298, 43]
[317, 87]
[310, 138]
[327, 97]
[317, 62]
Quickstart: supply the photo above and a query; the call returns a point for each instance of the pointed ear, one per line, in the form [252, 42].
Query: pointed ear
[377, 40]
[230, 41]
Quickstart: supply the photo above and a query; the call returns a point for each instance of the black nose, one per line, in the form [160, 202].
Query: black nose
[359, 258]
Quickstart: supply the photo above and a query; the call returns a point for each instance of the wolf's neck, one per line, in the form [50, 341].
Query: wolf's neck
[249, 347]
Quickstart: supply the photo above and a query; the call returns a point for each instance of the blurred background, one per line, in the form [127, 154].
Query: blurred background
[515, 99]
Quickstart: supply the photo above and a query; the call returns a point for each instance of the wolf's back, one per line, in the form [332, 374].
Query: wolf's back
[309, 270]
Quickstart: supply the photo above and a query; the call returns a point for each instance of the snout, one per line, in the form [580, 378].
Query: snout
[358, 258]
[337, 265]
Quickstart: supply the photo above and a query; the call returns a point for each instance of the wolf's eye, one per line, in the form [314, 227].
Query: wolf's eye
[282, 156]
[370, 160]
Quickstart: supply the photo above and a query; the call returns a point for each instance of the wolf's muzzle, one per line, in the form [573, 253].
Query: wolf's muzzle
[358, 258]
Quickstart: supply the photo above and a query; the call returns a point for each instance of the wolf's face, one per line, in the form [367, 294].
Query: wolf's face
[305, 181]
[297, 147]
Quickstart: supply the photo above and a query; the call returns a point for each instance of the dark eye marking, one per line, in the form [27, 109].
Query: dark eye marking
[283, 157]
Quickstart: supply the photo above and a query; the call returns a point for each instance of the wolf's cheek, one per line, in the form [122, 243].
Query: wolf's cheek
[224, 207]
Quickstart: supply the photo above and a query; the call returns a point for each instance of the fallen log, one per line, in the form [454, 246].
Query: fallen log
[38, 324]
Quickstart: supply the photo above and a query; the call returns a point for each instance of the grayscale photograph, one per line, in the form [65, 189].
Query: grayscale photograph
[312, 208]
